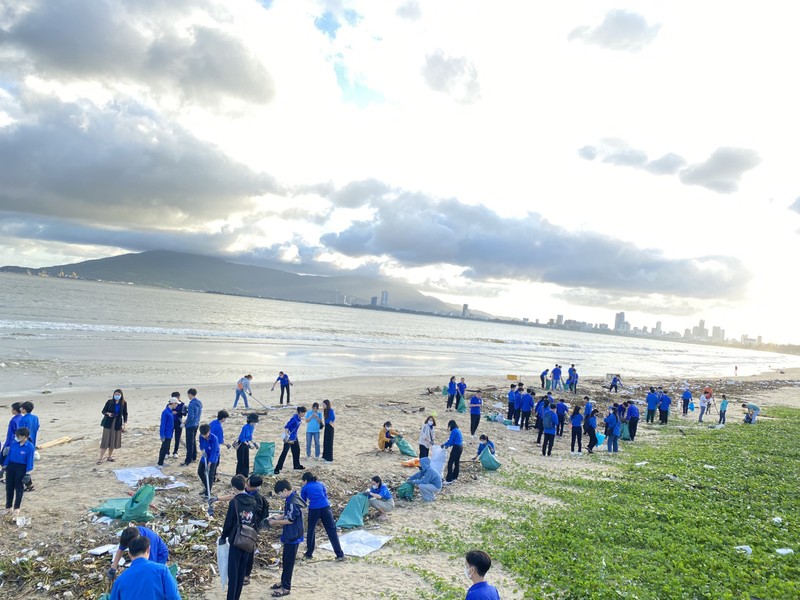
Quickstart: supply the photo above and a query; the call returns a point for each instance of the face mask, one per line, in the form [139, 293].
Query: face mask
[117, 396]
[466, 572]
[430, 423]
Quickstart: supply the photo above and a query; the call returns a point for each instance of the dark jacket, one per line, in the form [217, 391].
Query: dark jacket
[262, 512]
[247, 515]
[116, 422]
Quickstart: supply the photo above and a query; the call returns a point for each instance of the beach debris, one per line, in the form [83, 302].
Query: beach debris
[55, 442]
[106, 549]
[673, 478]
[777, 520]
[23, 521]
[23, 535]
[198, 522]
[744, 549]
[784, 551]
[709, 467]
[641, 464]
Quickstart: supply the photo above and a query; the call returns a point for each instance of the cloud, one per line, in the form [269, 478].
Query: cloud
[669, 164]
[456, 77]
[650, 303]
[626, 157]
[126, 41]
[416, 231]
[587, 152]
[359, 193]
[620, 30]
[409, 10]
[795, 206]
[119, 164]
[722, 171]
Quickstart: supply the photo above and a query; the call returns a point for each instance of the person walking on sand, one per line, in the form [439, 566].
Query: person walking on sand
[283, 379]
[242, 512]
[561, 410]
[243, 391]
[329, 416]
[18, 462]
[526, 407]
[194, 414]
[557, 384]
[314, 424]
[475, 404]
[315, 495]
[663, 406]
[291, 536]
[426, 436]
[427, 480]
[178, 413]
[723, 408]
[590, 426]
[290, 441]
[456, 442]
[115, 416]
[686, 398]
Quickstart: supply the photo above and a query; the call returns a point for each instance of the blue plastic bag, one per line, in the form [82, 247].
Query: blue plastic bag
[691, 406]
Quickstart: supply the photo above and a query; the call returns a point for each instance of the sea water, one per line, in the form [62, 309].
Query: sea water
[61, 333]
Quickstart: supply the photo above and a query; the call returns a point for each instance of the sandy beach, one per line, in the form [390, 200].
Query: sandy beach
[69, 483]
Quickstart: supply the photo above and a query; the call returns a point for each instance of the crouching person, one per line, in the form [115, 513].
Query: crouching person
[427, 480]
[144, 578]
[380, 498]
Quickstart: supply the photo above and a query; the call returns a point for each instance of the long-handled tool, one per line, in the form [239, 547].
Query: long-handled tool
[208, 485]
[259, 401]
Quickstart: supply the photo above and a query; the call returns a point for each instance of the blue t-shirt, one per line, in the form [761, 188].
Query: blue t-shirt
[283, 379]
[652, 401]
[246, 434]
[475, 405]
[665, 402]
[209, 446]
[312, 425]
[633, 412]
[462, 387]
[12, 428]
[613, 424]
[512, 394]
[383, 491]
[315, 494]
[331, 416]
[216, 429]
[576, 420]
[167, 424]
[482, 447]
[21, 454]
[455, 439]
[158, 549]
[145, 580]
[292, 425]
[482, 591]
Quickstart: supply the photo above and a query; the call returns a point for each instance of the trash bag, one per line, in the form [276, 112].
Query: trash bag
[404, 447]
[174, 569]
[113, 507]
[691, 406]
[406, 491]
[438, 459]
[129, 509]
[222, 564]
[625, 432]
[444, 391]
[600, 439]
[413, 462]
[262, 464]
[488, 460]
[355, 511]
[461, 406]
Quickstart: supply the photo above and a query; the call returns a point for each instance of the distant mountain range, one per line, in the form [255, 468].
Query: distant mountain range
[166, 269]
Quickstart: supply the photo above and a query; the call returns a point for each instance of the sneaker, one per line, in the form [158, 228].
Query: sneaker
[447, 483]
[572, 453]
[300, 468]
[341, 558]
[327, 461]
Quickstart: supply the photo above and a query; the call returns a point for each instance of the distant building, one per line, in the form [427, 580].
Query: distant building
[657, 330]
[559, 319]
[619, 321]
[717, 334]
[525, 320]
[465, 310]
[374, 301]
[384, 298]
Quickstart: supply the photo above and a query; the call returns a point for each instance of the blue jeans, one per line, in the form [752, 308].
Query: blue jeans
[613, 443]
[312, 435]
[240, 393]
[702, 412]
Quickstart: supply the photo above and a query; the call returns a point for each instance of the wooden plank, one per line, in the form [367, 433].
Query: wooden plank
[56, 442]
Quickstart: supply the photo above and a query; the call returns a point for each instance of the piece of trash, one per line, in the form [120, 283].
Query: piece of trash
[202, 547]
[23, 521]
[74, 558]
[276, 546]
[777, 520]
[784, 551]
[23, 535]
[510, 448]
[100, 550]
[641, 464]
[198, 523]
[709, 467]
[105, 520]
[673, 478]
[746, 549]
[512, 427]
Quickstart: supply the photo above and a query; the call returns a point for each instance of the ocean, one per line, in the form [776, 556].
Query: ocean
[59, 333]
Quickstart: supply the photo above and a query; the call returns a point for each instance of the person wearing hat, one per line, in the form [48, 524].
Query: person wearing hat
[167, 429]
[243, 445]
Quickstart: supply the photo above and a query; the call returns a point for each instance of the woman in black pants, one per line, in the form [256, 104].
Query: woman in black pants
[179, 412]
[576, 419]
[456, 441]
[327, 442]
[315, 495]
[591, 429]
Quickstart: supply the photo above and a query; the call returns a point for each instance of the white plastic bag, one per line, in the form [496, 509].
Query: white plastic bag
[222, 564]
[438, 459]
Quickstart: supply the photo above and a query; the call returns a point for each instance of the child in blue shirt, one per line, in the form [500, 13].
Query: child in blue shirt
[290, 441]
[291, 536]
[166, 430]
[209, 453]
[512, 394]
[590, 426]
[561, 410]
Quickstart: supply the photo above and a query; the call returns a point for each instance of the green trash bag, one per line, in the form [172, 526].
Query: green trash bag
[488, 460]
[444, 391]
[404, 447]
[174, 569]
[406, 491]
[461, 406]
[625, 432]
[129, 509]
[354, 513]
[262, 465]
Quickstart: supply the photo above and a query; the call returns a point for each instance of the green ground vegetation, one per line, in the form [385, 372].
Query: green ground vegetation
[665, 529]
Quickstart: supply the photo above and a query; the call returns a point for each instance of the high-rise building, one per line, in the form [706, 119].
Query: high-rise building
[384, 298]
[559, 319]
[374, 301]
[657, 330]
[465, 310]
[619, 321]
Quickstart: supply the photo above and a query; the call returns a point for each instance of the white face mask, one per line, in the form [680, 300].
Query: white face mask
[466, 572]
[117, 396]
[430, 423]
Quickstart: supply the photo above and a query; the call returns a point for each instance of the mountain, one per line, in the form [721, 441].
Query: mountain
[162, 268]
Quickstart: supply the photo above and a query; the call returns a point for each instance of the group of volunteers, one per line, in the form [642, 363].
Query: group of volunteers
[554, 379]
[18, 454]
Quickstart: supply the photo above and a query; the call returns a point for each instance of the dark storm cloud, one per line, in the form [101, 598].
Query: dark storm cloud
[620, 30]
[409, 10]
[418, 231]
[130, 41]
[722, 171]
[455, 76]
[121, 164]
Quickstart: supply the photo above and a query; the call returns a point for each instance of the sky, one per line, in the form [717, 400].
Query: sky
[529, 159]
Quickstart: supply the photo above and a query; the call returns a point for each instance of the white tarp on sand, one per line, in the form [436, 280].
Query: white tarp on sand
[359, 543]
[131, 477]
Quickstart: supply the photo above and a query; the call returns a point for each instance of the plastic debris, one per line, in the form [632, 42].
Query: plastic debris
[745, 549]
[784, 551]
[777, 520]
[709, 467]
[641, 464]
[103, 549]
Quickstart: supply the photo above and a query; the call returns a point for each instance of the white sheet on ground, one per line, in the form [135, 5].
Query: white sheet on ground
[132, 476]
[359, 543]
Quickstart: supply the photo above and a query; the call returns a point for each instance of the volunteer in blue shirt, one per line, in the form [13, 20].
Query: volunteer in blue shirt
[652, 403]
[315, 495]
[243, 445]
[512, 394]
[549, 425]
[485, 443]
[561, 410]
[13, 423]
[477, 564]
[159, 553]
[283, 379]
[543, 377]
[663, 408]
[456, 442]
[216, 427]
[290, 441]
[632, 417]
[291, 535]
[614, 427]
[557, 384]
[193, 415]
[380, 498]
[541, 406]
[329, 416]
[451, 393]
[518, 404]
[461, 388]
[179, 413]
[18, 462]
[166, 430]
[144, 579]
[475, 404]
[686, 397]
[723, 408]
[526, 407]
[314, 424]
[576, 420]
[590, 427]
[209, 453]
